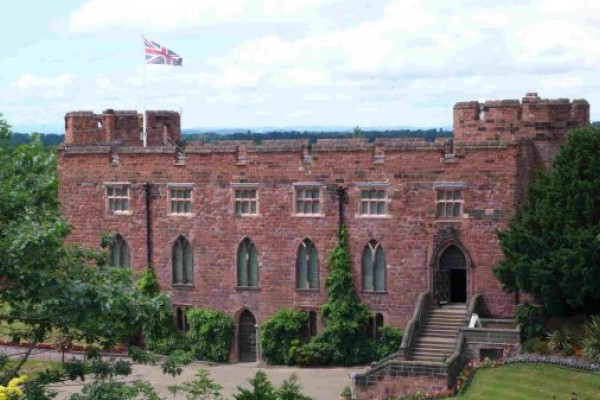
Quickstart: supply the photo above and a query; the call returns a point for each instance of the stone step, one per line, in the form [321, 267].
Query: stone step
[425, 353]
[457, 324]
[433, 346]
[441, 333]
[430, 339]
[428, 358]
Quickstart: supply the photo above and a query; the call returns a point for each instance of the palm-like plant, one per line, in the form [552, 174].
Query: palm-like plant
[591, 341]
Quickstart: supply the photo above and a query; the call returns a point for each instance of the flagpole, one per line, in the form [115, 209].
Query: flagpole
[144, 132]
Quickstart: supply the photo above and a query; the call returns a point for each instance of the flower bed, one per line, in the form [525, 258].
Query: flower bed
[118, 349]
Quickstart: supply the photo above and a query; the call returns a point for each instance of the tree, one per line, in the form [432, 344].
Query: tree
[51, 288]
[550, 246]
[344, 339]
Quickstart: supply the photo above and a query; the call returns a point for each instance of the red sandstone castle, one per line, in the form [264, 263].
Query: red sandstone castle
[246, 228]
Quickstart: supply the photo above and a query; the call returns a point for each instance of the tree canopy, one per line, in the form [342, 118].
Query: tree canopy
[551, 247]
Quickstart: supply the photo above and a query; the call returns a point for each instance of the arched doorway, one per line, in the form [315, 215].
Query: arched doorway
[247, 337]
[451, 282]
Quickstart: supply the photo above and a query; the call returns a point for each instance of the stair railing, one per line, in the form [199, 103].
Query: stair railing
[456, 362]
[423, 302]
[476, 305]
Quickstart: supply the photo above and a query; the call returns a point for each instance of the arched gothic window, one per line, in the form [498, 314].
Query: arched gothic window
[119, 252]
[247, 264]
[373, 267]
[183, 262]
[307, 266]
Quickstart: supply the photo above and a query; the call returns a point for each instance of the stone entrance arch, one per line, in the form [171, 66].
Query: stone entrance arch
[247, 337]
[451, 274]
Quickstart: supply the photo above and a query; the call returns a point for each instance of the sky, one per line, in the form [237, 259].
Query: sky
[283, 63]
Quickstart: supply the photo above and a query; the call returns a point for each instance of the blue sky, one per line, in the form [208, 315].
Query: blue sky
[251, 63]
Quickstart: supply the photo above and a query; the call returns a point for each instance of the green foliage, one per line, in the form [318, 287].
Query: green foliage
[281, 335]
[550, 246]
[201, 388]
[531, 320]
[388, 341]
[261, 389]
[344, 341]
[5, 132]
[210, 334]
[113, 390]
[147, 282]
[536, 345]
[290, 390]
[562, 340]
[591, 340]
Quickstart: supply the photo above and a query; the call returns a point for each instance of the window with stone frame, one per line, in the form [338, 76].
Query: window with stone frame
[245, 199]
[180, 199]
[373, 200]
[373, 268]
[117, 198]
[307, 199]
[183, 262]
[247, 264]
[449, 203]
[307, 266]
[119, 252]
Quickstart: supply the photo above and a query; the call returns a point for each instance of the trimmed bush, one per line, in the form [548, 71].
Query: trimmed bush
[532, 321]
[280, 336]
[388, 341]
[210, 334]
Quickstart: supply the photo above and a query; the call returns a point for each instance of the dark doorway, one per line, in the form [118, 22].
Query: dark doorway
[450, 279]
[458, 285]
[247, 337]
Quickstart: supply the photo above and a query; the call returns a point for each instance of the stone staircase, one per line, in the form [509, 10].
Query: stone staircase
[436, 340]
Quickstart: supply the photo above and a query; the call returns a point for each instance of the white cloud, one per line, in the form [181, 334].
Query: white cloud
[176, 15]
[29, 81]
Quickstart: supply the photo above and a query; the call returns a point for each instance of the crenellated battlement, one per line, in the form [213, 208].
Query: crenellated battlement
[121, 127]
[531, 118]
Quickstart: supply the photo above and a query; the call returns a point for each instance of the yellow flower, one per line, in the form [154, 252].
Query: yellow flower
[8, 392]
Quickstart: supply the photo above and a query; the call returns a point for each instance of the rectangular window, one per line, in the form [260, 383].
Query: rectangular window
[180, 200]
[308, 200]
[117, 198]
[246, 201]
[449, 203]
[373, 201]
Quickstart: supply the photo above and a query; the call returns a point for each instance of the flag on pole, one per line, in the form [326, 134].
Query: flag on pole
[157, 54]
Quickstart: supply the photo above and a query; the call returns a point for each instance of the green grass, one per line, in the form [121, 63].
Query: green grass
[33, 367]
[532, 382]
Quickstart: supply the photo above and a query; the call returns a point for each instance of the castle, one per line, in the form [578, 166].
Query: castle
[247, 227]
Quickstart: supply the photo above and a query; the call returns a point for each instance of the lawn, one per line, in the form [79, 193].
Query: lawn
[531, 382]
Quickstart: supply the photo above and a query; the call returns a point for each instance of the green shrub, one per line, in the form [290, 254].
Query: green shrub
[536, 345]
[262, 389]
[562, 340]
[281, 334]
[344, 340]
[388, 341]
[591, 340]
[210, 334]
[532, 321]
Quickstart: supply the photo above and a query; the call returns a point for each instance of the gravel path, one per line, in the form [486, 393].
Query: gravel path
[319, 383]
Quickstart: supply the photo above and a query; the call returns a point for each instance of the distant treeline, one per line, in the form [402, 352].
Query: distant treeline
[427, 134]
[48, 139]
[53, 139]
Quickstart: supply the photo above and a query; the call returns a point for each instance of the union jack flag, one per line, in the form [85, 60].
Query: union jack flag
[157, 54]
